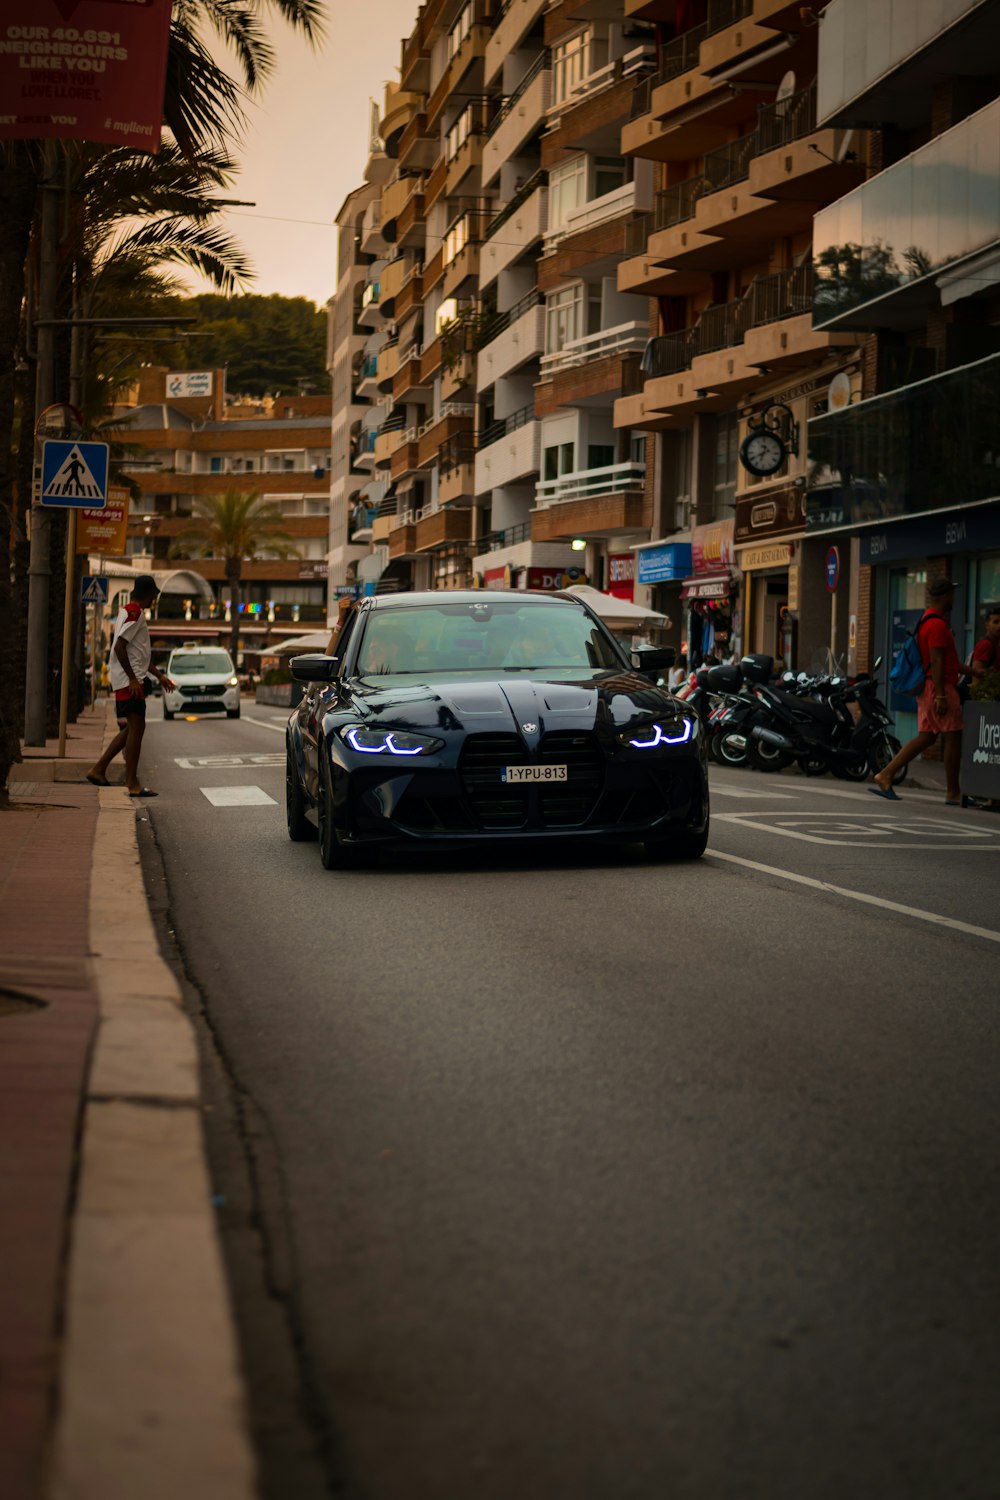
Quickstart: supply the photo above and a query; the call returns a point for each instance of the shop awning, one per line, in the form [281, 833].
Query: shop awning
[708, 586]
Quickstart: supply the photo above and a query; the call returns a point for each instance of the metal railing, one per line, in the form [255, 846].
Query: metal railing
[537, 180]
[494, 541]
[723, 13]
[786, 119]
[729, 163]
[503, 320]
[676, 204]
[587, 484]
[723, 326]
[395, 423]
[637, 232]
[542, 61]
[679, 55]
[670, 353]
[784, 294]
[505, 425]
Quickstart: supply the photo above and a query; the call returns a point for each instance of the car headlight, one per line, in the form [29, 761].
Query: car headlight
[388, 742]
[654, 736]
[234, 682]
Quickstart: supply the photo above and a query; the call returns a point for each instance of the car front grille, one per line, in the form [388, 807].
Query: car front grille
[204, 690]
[557, 804]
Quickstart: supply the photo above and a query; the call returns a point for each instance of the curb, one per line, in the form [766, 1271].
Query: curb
[151, 1394]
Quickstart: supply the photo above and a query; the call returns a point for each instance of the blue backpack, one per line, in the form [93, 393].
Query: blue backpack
[908, 673]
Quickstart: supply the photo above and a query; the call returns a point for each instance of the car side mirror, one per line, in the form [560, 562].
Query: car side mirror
[652, 659]
[314, 668]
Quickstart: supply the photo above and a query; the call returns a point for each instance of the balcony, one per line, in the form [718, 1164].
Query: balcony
[403, 537]
[514, 340]
[388, 438]
[591, 372]
[468, 158]
[418, 146]
[436, 179]
[372, 242]
[370, 315]
[462, 271]
[405, 458]
[881, 59]
[396, 197]
[882, 253]
[367, 387]
[472, 48]
[591, 503]
[407, 384]
[523, 222]
[454, 420]
[391, 280]
[443, 528]
[363, 452]
[457, 469]
[595, 347]
[518, 118]
[511, 24]
[508, 451]
[410, 294]
[387, 364]
[399, 109]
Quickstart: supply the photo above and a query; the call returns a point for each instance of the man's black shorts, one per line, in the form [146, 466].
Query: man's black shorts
[126, 706]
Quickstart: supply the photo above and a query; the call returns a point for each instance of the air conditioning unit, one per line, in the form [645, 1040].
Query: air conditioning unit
[682, 513]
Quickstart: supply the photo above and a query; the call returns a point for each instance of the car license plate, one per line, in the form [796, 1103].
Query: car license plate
[534, 773]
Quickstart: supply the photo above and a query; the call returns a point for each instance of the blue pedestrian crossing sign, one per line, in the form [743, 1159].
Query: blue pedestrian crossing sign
[75, 474]
[94, 589]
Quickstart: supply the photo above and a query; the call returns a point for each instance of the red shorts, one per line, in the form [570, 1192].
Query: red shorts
[929, 722]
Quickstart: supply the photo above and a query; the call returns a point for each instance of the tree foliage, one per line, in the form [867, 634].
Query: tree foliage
[266, 344]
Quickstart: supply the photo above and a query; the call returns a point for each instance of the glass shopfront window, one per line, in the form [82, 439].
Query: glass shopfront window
[936, 206]
[929, 446]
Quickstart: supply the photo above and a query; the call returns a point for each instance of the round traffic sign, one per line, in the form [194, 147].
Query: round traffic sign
[832, 569]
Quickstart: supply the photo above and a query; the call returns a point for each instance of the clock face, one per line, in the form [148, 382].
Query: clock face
[763, 452]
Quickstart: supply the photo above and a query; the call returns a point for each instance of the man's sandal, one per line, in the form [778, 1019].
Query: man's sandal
[145, 792]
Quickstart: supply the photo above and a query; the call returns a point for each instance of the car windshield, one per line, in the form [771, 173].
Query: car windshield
[492, 636]
[199, 661]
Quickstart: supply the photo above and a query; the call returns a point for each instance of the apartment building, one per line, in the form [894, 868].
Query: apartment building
[906, 472]
[737, 368]
[185, 442]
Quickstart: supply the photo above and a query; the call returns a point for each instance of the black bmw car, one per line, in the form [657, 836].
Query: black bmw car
[451, 717]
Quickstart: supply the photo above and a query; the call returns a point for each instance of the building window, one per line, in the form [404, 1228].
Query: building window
[563, 318]
[456, 239]
[727, 433]
[215, 466]
[637, 448]
[461, 29]
[569, 62]
[567, 191]
[600, 455]
[610, 173]
[558, 460]
[459, 133]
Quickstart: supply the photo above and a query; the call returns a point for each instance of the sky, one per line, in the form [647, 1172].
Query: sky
[307, 143]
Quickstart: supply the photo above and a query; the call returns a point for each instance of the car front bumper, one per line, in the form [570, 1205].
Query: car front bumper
[202, 700]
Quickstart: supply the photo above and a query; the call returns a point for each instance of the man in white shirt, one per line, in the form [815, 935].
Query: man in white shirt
[130, 664]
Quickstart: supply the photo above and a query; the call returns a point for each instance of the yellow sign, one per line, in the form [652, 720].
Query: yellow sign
[104, 531]
[777, 555]
[793, 588]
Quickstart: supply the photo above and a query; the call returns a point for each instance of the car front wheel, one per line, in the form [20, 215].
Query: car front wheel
[333, 854]
[300, 830]
[684, 843]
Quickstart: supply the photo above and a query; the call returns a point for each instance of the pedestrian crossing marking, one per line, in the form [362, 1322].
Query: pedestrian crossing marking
[75, 479]
[228, 762]
[238, 796]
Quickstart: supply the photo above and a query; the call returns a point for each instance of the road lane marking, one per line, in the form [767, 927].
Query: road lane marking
[228, 762]
[847, 832]
[738, 791]
[934, 918]
[263, 724]
[238, 796]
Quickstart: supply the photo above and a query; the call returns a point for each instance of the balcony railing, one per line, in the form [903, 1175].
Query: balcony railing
[495, 541]
[723, 326]
[729, 163]
[505, 425]
[786, 120]
[542, 61]
[537, 180]
[670, 354]
[395, 423]
[590, 484]
[676, 204]
[768, 299]
[785, 294]
[503, 320]
[637, 232]
[723, 13]
[679, 55]
[619, 340]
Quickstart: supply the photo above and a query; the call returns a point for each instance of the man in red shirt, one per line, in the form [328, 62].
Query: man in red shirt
[939, 710]
[986, 657]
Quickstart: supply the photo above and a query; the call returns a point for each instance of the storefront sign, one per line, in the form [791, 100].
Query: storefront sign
[668, 562]
[315, 571]
[931, 536]
[981, 750]
[794, 575]
[621, 575]
[712, 547]
[778, 555]
[707, 588]
[104, 531]
[554, 578]
[184, 383]
[84, 70]
[773, 514]
[832, 569]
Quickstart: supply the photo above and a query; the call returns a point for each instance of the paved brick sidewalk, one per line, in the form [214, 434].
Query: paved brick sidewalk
[46, 848]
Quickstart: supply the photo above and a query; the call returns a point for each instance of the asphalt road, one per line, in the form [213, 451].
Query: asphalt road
[570, 1175]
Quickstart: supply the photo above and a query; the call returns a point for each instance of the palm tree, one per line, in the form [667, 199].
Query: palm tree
[238, 527]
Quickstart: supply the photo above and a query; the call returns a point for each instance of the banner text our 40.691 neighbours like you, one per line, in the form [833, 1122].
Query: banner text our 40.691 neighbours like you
[85, 70]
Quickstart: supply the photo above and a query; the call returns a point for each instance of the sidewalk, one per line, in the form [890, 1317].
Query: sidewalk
[119, 1368]
[48, 1016]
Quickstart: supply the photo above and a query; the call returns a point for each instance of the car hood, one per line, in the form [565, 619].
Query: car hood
[508, 703]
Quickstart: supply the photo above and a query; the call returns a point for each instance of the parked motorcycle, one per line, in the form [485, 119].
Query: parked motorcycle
[817, 728]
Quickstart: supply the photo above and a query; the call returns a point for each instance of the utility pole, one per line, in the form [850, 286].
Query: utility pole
[40, 563]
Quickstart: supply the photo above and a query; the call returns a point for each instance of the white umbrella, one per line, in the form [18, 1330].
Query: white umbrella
[609, 608]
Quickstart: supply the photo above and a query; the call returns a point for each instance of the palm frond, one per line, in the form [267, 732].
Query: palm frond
[202, 106]
[239, 25]
[204, 247]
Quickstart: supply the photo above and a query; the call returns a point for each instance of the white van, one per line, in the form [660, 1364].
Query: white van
[205, 683]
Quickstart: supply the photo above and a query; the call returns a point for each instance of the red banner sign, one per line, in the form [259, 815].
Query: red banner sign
[621, 575]
[84, 70]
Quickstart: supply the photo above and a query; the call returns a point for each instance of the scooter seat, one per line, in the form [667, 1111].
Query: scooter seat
[807, 706]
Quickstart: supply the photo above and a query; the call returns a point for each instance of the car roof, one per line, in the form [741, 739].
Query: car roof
[196, 650]
[464, 596]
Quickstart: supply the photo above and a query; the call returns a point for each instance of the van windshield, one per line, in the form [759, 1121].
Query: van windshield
[183, 662]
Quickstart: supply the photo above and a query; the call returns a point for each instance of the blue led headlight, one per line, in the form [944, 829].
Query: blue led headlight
[388, 742]
[655, 736]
